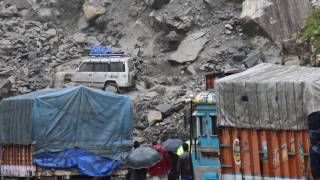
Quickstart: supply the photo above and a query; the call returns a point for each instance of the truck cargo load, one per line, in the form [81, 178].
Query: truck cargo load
[55, 123]
[269, 96]
[262, 123]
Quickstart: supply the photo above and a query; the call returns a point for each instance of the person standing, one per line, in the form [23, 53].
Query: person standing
[136, 174]
[185, 166]
[161, 169]
[173, 173]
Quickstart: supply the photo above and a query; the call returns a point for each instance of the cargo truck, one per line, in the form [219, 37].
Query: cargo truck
[254, 124]
[65, 133]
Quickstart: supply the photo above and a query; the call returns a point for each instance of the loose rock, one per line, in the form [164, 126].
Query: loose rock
[92, 11]
[51, 32]
[253, 59]
[20, 4]
[189, 48]
[154, 116]
[157, 4]
[229, 27]
[164, 108]
[191, 69]
[79, 37]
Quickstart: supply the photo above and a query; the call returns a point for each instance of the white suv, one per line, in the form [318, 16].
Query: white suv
[110, 73]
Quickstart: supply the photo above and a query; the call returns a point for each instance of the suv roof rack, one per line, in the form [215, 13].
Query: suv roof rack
[107, 55]
[102, 51]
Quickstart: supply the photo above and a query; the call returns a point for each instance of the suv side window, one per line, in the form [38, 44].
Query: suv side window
[117, 67]
[131, 65]
[86, 67]
[100, 67]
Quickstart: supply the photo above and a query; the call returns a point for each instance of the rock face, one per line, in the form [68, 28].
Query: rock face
[277, 19]
[315, 3]
[189, 48]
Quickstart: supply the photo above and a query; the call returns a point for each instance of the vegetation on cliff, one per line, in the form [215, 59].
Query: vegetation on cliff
[311, 31]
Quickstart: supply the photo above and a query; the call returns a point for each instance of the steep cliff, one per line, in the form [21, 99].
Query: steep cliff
[276, 19]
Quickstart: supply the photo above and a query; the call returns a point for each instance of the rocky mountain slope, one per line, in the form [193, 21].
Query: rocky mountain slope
[175, 43]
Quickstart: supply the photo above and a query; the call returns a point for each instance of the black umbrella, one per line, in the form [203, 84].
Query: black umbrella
[172, 144]
[143, 157]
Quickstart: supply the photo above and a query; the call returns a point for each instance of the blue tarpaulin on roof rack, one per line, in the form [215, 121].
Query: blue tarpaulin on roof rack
[100, 50]
[79, 117]
[85, 162]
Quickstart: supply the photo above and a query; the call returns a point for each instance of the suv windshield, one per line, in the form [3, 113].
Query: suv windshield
[102, 67]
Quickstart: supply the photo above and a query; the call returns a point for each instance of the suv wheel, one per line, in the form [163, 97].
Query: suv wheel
[112, 87]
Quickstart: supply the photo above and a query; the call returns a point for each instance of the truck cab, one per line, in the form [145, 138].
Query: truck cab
[205, 149]
[205, 133]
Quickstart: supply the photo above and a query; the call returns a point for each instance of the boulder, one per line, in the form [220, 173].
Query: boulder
[82, 23]
[20, 4]
[79, 37]
[239, 56]
[150, 49]
[154, 116]
[51, 32]
[179, 23]
[170, 42]
[229, 27]
[92, 41]
[9, 12]
[45, 13]
[213, 4]
[183, 23]
[92, 11]
[101, 22]
[24, 13]
[140, 86]
[289, 47]
[164, 109]
[275, 19]
[32, 55]
[5, 87]
[135, 36]
[254, 59]
[157, 4]
[100, 2]
[191, 69]
[151, 94]
[139, 139]
[189, 48]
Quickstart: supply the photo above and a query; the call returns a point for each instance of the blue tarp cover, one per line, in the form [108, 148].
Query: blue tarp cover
[79, 117]
[100, 50]
[85, 162]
